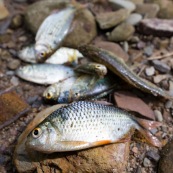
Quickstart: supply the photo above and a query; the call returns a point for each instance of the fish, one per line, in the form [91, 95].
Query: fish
[119, 67]
[45, 73]
[84, 124]
[52, 32]
[92, 68]
[27, 54]
[80, 87]
[60, 56]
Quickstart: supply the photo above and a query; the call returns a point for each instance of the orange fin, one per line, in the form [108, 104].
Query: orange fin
[147, 124]
[150, 138]
[103, 142]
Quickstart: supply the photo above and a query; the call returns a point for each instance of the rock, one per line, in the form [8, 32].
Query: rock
[108, 158]
[110, 19]
[153, 155]
[4, 13]
[137, 1]
[146, 162]
[114, 48]
[159, 78]
[147, 10]
[11, 107]
[122, 32]
[38, 11]
[117, 4]
[158, 115]
[171, 87]
[156, 27]
[13, 64]
[135, 150]
[134, 19]
[83, 30]
[127, 100]
[166, 7]
[148, 50]
[161, 66]
[168, 104]
[165, 163]
[15, 81]
[16, 21]
[149, 71]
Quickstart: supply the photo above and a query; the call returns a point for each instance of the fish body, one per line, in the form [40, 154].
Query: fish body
[92, 68]
[79, 87]
[44, 73]
[52, 32]
[118, 66]
[81, 125]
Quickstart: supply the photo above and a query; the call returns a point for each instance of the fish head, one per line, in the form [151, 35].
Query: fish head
[43, 138]
[42, 52]
[24, 71]
[101, 69]
[51, 93]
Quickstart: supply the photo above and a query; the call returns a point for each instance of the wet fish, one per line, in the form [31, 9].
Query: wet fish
[118, 66]
[82, 124]
[52, 32]
[79, 88]
[92, 68]
[45, 73]
[61, 56]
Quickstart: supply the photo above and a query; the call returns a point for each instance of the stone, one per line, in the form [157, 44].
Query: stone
[117, 4]
[156, 27]
[83, 30]
[137, 1]
[159, 78]
[15, 81]
[146, 162]
[114, 48]
[158, 115]
[134, 19]
[14, 64]
[108, 20]
[147, 10]
[148, 50]
[165, 162]
[153, 155]
[161, 66]
[168, 104]
[16, 21]
[150, 71]
[122, 32]
[4, 13]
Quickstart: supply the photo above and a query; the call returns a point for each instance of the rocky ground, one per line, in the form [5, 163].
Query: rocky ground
[143, 42]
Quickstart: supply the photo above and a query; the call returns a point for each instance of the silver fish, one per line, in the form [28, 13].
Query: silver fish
[45, 73]
[79, 88]
[83, 125]
[52, 32]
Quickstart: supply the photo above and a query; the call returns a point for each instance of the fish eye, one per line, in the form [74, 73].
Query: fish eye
[42, 54]
[36, 132]
[49, 95]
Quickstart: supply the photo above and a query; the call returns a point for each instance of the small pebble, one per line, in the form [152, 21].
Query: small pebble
[153, 155]
[168, 104]
[15, 81]
[146, 162]
[159, 78]
[158, 115]
[149, 71]
[154, 131]
[13, 64]
[135, 150]
[161, 66]
[134, 19]
[148, 50]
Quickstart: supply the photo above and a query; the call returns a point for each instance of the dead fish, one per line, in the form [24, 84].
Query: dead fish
[79, 88]
[118, 66]
[82, 125]
[61, 56]
[92, 68]
[52, 32]
[27, 54]
[45, 73]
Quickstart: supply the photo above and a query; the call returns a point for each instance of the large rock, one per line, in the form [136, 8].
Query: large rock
[109, 19]
[122, 32]
[83, 28]
[108, 158]
[165, 163]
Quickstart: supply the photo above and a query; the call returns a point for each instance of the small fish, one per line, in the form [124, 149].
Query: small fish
[52, 32]
[27, 54]
[61, 56]
[92, 68]
[79, 88]
[82, 125]
[118, 66]
[45, 73]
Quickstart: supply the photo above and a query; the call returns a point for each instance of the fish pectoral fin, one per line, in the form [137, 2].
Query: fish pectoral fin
[102, 142]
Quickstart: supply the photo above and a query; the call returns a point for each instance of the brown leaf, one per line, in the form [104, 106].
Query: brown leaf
[131, 102]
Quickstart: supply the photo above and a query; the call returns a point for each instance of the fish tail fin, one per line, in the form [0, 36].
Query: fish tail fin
[144, 128]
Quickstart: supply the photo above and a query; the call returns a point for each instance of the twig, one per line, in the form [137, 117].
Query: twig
[161, 56]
